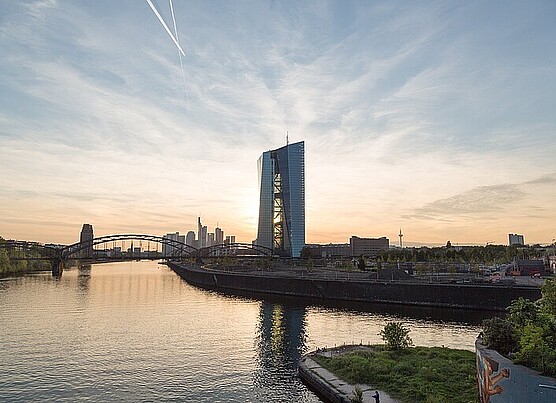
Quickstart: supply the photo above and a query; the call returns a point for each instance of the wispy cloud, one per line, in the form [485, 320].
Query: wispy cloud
[487, 200]
[436, 110]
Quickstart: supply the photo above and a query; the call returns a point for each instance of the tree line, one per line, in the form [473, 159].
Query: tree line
[490, 254]
[10, 266]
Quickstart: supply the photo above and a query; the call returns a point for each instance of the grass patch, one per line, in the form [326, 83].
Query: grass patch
[418, 374]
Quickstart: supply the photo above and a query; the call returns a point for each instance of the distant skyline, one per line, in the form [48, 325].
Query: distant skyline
[436, 117]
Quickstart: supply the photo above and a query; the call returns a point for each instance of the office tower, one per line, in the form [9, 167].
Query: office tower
[516, 239]
[201, 234]
[171, 249]
[218, 236]
[230, 239]
[282, 200]
[168, 249]
[210, 239]
[86, 237]
[203, 237]
[190, 238]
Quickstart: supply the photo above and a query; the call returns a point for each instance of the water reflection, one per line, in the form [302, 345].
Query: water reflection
[280, 345]
[83, 277]
[140, 333]
[422, 313]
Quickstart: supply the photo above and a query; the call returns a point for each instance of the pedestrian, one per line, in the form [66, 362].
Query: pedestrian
[376, 396]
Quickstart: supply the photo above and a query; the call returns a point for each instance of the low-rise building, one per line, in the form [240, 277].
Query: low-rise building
[368, 247]
[327, 250]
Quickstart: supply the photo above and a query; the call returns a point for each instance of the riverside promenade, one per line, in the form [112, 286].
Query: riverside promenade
[329, 386]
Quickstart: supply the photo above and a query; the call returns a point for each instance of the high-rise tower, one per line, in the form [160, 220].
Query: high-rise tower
[86, 237]
[282, 200]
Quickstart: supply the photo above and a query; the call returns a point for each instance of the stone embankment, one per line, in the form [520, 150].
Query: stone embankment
[329, 386]
[357, 287]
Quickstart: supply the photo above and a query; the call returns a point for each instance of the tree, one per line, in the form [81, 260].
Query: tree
[500, 335]
[529, 331]
[4, 261]
[396, 336]
[548, 301]
[309, 264]
[522, 312]
[361, 264]
[535, 351]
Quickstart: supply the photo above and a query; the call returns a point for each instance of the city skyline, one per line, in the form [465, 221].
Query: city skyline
[436, 118]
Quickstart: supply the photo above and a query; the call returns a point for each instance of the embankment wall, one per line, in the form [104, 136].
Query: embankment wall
[484, 297]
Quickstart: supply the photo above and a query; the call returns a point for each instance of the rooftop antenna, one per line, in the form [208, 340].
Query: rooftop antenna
[287, 138]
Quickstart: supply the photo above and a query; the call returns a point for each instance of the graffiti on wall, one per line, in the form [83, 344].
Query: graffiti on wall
[499, 380]
[489, 376]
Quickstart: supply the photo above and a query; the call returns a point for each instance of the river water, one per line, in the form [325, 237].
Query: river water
[135, 331]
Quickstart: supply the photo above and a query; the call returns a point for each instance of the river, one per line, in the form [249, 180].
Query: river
[135, 331]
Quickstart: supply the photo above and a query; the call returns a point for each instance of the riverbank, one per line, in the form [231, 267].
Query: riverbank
[329, 386]
[21, 269]
[332, 285]
[410, 375]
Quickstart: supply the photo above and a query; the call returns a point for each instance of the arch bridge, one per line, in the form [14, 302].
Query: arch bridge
[85, 250]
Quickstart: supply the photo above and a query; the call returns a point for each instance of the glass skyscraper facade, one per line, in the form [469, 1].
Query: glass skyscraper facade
[282, 200]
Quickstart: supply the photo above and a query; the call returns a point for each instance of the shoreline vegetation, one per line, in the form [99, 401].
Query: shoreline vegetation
[10, 267]
[410, 374]
[527, 334]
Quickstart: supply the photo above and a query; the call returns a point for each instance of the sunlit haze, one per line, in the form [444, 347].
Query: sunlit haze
[434, 117]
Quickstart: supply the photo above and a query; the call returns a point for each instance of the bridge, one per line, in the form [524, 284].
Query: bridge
[172, 249]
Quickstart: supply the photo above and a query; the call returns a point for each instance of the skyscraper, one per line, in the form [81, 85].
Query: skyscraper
[190, 238]
[282, 199]
[87, 236]
[219, 236]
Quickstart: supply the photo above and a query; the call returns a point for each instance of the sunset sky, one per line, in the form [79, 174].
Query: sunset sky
[436, 117]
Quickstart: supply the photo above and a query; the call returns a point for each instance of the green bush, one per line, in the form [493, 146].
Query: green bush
[548, 301]
[522, 312]
[499, 334]
[396, 336]
[357, 395]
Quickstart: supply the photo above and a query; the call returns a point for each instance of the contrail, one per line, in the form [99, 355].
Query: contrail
[179, 54]
[155, 11]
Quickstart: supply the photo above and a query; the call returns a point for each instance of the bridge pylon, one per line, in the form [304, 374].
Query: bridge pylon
[57, 267]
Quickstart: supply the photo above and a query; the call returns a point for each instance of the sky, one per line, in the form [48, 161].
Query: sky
[434, 117]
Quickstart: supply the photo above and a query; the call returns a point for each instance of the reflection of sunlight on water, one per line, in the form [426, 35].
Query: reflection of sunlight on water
[277, 331]
[136, 331]
[280, 345]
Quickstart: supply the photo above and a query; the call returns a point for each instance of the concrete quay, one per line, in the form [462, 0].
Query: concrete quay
[326, 285]
[332, 388]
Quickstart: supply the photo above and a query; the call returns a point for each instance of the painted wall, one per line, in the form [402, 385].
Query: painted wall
[500, 380]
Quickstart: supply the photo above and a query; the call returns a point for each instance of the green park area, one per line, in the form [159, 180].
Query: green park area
[416, 374]
[527, 335]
